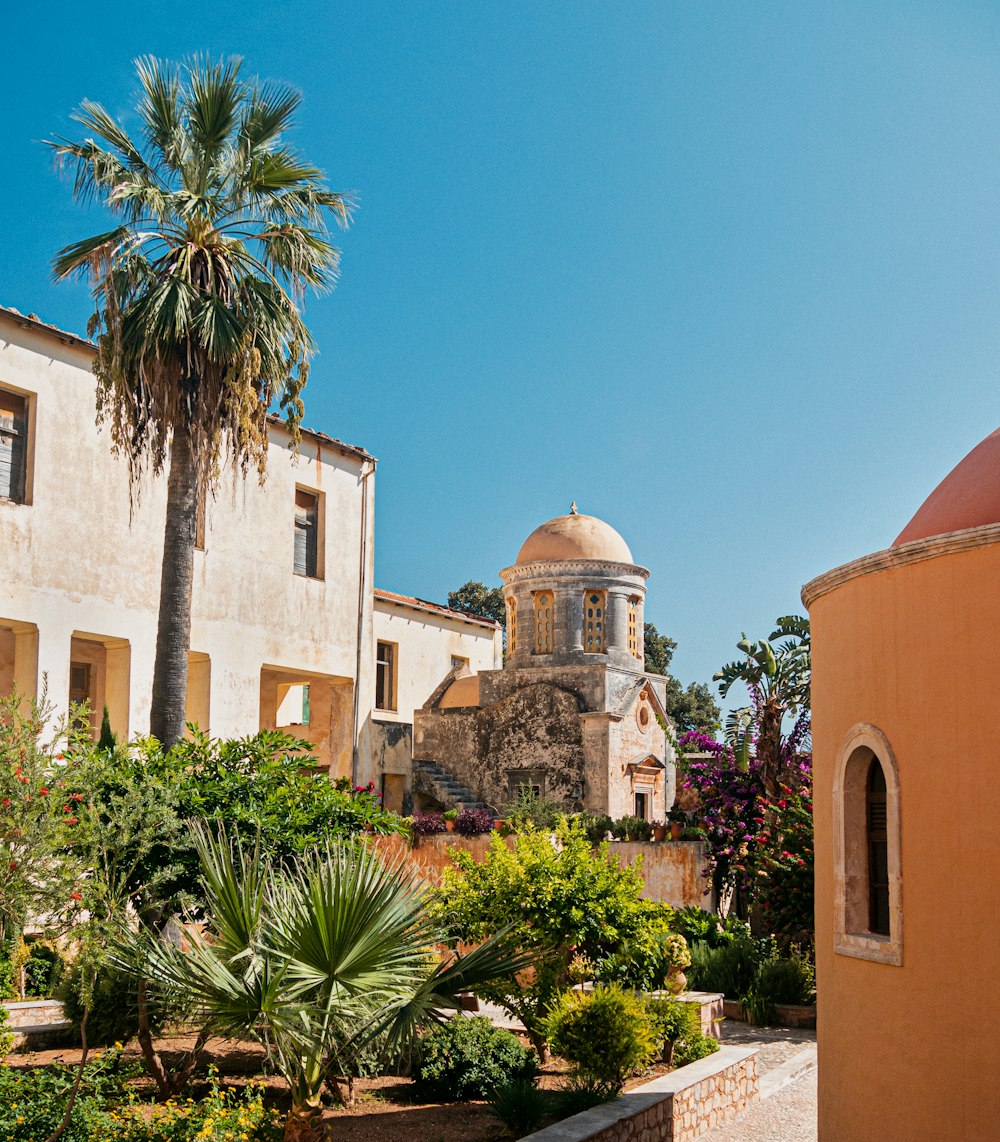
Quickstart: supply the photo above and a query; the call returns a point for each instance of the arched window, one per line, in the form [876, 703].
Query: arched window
[878, 850]
[593, 622]
[633, 628]
[868, 902]
[543, 622]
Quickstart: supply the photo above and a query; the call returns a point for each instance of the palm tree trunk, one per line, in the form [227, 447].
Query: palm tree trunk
[173, 631]
[305, 1124]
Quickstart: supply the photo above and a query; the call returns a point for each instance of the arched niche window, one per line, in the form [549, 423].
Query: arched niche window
[633, 628]
[594, 605]
[867, 858]
[543, 621]
[511, 624]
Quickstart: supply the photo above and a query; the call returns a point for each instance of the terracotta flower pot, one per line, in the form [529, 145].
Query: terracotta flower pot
[676, 828]
[449, 826]
[659, 832]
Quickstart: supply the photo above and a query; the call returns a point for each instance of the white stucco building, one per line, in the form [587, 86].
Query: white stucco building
[286, 627]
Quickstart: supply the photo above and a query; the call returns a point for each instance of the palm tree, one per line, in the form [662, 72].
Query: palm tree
[777, 674]
[222, 227]
[316, 960]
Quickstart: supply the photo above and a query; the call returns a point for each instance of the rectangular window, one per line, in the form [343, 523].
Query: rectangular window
[633, 629]
[385, 676]
[457, 660]
[306, 533]
[511, 625]
[13, 446]
[641, 801]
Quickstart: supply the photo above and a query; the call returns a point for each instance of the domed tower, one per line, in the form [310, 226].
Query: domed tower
[572, 714]
[575, 595]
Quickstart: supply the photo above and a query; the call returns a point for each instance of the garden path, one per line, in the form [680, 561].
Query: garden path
[786, 1064]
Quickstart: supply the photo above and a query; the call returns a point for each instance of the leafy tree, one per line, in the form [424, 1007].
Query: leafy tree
[691, 708]
[37, 818]
[576, 909]
[222, 227]
[475, 598]
[658, 650]
[314, 959]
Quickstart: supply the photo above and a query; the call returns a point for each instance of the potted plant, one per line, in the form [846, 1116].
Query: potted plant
[678, 819]
[659, 830]
[450, 817]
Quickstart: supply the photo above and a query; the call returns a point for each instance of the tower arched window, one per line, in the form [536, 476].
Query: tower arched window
[594, 606]
[543, 622]
[868, 900]
[511, 624]
[633, 628]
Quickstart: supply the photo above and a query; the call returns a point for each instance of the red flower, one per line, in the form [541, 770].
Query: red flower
[75, 896]
[44, 791]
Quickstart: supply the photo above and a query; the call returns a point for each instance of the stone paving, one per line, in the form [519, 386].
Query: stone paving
[786, 1110]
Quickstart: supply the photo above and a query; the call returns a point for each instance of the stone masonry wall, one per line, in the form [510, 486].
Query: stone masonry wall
[676, 1108]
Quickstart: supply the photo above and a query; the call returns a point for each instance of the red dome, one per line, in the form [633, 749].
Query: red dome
[969, 496]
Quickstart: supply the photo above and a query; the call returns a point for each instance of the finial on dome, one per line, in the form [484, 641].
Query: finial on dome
[572, 508]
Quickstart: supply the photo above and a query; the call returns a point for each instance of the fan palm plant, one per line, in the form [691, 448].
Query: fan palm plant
[316, 960]
[222, 227]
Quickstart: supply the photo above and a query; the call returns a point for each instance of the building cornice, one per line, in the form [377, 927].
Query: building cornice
[577, 568]
[411, 603]
[918, 550]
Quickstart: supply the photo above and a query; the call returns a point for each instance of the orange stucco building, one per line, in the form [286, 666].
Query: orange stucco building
[906, 679]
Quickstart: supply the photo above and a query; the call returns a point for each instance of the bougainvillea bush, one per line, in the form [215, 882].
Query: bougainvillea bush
[761, 849]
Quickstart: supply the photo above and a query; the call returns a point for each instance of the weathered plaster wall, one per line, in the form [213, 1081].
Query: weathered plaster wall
[72, 560]
[427, 640]
[535, 728]
[672, 870]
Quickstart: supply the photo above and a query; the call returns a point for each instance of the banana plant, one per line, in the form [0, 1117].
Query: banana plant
[777, 672]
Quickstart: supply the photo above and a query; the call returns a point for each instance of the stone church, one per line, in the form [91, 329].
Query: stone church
[571, 714]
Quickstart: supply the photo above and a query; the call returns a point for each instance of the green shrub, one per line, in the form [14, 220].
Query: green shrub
[519, 1105]
[530, 810]
[632, 829]
[790, 979]
[605, 1033]
[33, 1101]
[694, 1047]
[595, 825]
[42, 970]
[6, 1034]
[221, 1116]
[729, 968]
[678, 1029]
[469, 1058]
[114, 1009]
[580, 1094]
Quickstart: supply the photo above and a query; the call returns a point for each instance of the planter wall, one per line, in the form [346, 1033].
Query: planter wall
[671, 869]
[675, 1108]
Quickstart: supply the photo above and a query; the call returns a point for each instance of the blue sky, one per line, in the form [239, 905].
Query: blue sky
[727, 275]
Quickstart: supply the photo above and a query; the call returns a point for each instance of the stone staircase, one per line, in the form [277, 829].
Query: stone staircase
[38, 1023]
[433, 781]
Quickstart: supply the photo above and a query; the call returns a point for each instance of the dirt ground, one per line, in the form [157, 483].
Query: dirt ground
[385, 1109]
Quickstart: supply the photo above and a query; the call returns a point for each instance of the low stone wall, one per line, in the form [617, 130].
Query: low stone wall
[680, 1106]
[671, 869]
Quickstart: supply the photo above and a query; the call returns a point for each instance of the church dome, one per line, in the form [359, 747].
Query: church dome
[969, 496]
[574, 536]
